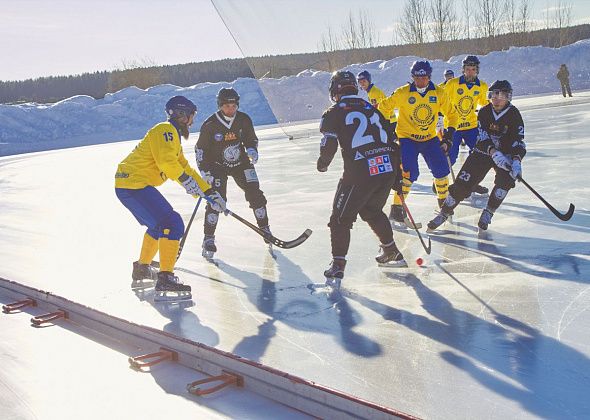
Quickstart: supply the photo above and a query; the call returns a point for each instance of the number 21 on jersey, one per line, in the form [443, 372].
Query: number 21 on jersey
[360, 138]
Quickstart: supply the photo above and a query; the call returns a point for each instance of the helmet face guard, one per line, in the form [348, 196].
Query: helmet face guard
[500, 94]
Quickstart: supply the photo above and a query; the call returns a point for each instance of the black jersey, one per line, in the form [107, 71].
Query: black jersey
[504, 131]
[365, 140]
[222, 142]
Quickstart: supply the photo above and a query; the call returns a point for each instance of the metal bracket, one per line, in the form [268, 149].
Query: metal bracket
[160, 356]
[226, 378]
[43, 319]
[11, 307]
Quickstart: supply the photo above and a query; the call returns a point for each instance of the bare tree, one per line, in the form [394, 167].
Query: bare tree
[444, 25]
[466, 5]
[489, 15]
[359, 32]
[524, 16]
[328, 45]
[413, 22]
[512, 17]
[562, 19]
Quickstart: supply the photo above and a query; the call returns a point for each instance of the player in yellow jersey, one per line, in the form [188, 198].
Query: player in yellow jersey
[155, 159]
[440, 125]
[467, 93]
[418, 104]
[374, 94]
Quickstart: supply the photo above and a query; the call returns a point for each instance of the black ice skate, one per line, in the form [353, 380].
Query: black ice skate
[485, 219]
[209, 248]
[268, 243]
[143, 275]
[390, 256]
[170, 289]
[399, 218]
[335, 273]
[480, 189]
[435, 223]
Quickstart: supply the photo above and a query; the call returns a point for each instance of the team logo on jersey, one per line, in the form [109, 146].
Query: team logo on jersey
[460, 91]
[218, 136]
[465, 106]
[432, 99]
[358, 156]
[411, 100]
[230, 136]
[250, 175]
[231, 154]
[379, 165]
[423, 116]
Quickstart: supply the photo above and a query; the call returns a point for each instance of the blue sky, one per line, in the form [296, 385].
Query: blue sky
[61, 37]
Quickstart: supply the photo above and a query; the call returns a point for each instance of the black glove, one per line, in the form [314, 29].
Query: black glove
[321, 165]
[398, 183]
[447, 140]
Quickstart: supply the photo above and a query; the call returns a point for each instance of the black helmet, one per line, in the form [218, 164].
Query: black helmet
[342, 83]
[501, 86]
[471, 60]
[227, 96]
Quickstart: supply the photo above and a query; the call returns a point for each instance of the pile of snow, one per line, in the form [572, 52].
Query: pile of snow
[129, 113]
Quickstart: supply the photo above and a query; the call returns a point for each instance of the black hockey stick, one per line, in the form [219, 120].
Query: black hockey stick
[426, 248]
[450, 167]
[190, 222]
[562, 216]
[267, 236]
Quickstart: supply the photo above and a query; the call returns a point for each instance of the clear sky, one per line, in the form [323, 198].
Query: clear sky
[61, 37]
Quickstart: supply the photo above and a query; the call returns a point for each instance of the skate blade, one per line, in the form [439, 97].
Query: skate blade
[394, 264]
[409, 224]
[207, 254]
[398, 225]
[172, 296]
[142, 284]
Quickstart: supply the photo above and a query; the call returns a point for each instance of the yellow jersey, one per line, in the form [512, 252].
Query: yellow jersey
[376, 95]
[155, 159]
[418, 113]
[466, 97]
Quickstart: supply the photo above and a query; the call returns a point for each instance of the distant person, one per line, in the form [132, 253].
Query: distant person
[371, 168]
[440, 125]
[564, 77]
[375, 94]
[448, 75]
[228, 146]
[157, 158]
[500, 146]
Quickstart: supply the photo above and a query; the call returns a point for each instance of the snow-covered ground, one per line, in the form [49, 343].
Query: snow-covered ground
[129, 113]
[491, 327]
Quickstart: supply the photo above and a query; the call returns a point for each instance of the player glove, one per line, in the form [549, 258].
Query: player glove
[216, 201]
[501, 160]
[190, 185]
[516, 169]
[447, 140]
[252, 155]
[207, 177]
[321, 165]
[398, 183]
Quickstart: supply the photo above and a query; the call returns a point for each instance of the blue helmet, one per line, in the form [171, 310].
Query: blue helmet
[471, 60]
[449, 72]
[179, 106]
[421, 68]
[364, 75]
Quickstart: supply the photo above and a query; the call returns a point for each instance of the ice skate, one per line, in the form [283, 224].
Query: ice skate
[435, 223]
[390, 256]
[170, 289]
[209, 248]
[485, 219]
[397, 217]
[335, 273]
[143, 275]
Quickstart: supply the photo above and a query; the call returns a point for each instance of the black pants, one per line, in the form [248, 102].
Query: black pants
[246, 178]
[472, 173]
[565, 86]
[367, 201]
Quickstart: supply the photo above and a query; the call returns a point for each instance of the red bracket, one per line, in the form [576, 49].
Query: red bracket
[43, 319]
[226, 379]
[11, 307]
[160, 356]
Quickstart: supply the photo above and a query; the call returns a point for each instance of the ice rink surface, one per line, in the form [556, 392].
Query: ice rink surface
[488, 327]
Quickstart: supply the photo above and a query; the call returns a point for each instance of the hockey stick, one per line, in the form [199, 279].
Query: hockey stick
[426, 248]
[267, 236]
[450, 167]
[562, 216]
[190, 222]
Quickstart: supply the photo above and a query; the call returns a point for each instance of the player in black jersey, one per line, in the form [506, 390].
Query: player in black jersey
[500, 145]
[228, 146]
[371, 167]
